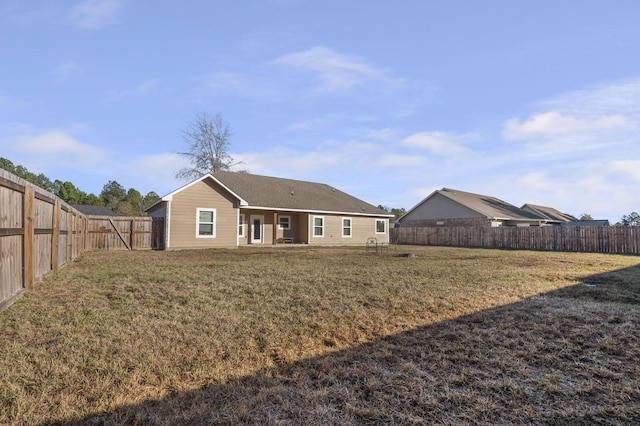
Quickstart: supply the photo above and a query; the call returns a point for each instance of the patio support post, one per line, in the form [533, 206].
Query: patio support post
[275, 228]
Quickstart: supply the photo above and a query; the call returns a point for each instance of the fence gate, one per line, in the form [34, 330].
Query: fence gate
[157, 233]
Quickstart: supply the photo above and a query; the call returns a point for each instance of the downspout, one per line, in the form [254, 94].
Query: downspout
[167, 226]
[275, 229]
[238, 226]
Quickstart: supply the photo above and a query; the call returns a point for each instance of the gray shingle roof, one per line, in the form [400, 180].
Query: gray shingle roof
[490, 207]
[289, 194]
[597, 222]
[548, 213]
[94, 210]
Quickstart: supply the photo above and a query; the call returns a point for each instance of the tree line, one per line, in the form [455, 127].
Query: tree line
[125, 202]
[631, 219]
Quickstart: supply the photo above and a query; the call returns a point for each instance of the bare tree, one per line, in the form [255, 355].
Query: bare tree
[207, 140]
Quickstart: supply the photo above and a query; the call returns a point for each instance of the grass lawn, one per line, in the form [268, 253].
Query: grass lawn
[300, 335]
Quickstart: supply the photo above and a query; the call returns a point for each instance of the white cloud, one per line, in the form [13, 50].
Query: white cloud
[403, 161]
[10, 101]
[61, 154]
[227, 82]
[154, 172]
[442, 144]
[346, 123]
[57, 143]
[51, 150]
[597, 124]
[223, 83]
[312, 124]
[385, 134]
[628, 168]
[143, 88]
[554, 124]
[289, 163]
[334, 72]
[96, 14]
[613, 98]
[346, 158]
[66, 70]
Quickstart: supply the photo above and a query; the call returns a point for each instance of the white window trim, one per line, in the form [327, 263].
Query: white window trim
[242, 224]
[350, 227]
[204, 209]
[313, 226]
[288, 222]
[385, 226]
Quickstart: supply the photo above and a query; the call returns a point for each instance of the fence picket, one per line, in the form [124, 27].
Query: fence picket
[589, 239]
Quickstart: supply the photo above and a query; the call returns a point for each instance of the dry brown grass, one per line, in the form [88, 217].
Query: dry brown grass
[326, 336]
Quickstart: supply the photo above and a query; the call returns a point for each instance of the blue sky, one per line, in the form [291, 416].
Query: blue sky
[528, 101]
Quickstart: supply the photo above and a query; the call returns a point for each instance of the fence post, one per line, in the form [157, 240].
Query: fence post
[79, 235]
[85, 235]
[69, 237]
[55, 238]
[27, 242]
[131, 237]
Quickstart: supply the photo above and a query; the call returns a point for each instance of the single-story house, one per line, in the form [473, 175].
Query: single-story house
[94, 210]
[228, 209]
[593, 222]
[452, 207]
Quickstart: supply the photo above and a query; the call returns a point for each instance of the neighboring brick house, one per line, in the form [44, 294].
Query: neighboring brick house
[452, 207]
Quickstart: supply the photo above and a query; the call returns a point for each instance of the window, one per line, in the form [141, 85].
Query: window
[346, 227]
[205, 223]
[284, 222]
[318, 226]
[381, 226]
[241, 226]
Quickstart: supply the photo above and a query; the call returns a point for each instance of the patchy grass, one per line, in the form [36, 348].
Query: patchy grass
[326, 335]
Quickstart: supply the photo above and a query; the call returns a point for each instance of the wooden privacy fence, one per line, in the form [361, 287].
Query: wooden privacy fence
[39, 234]
[588, 239]
[123, 233]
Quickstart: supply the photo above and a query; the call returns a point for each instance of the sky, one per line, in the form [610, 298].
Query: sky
[531, 101]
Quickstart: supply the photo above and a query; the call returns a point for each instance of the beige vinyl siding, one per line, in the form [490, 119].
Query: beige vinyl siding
[267, 226]
[301, 230]
[365, 227]
[361, 229]
[204, 194]
[441, 207]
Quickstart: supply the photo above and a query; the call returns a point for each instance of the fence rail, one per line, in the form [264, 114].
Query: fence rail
[588, 239]
[39, 234]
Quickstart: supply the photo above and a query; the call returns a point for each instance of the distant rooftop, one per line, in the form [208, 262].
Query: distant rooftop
[597, 222]
[94, 210]
[491, 207]
[548, 213]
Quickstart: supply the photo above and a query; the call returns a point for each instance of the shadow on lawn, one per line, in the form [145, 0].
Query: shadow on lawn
[560, 358]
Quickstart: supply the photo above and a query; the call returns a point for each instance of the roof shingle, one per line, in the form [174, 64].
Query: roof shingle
[94, 210]
[290, 194]
[489, 206]
[548, 213]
